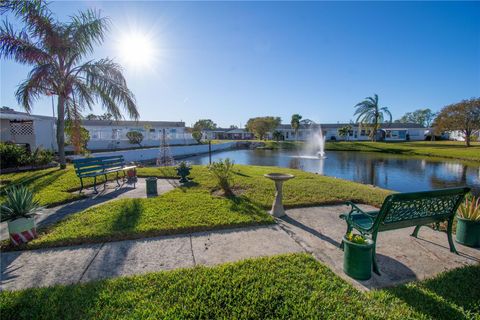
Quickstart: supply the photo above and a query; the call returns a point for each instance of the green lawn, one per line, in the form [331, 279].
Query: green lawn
[443, 149]
[194, 207]
[291, 286]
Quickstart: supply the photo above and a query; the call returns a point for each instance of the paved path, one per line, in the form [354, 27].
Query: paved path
[45, 267]
[111, 192]
[401, 257]
[316, 230]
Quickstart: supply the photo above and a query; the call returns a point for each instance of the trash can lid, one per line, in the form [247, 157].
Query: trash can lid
[151, 178]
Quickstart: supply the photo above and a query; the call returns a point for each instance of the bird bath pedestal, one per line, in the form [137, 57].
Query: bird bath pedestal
[279, 178]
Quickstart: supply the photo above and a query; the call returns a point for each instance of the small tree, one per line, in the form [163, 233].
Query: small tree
[135, 137]
[463, 116]
[344, 132]
[422, 117]
[277, 135]
[197, 135]
[260, 126]
[200, 126]
[76, 136]
[295, 123]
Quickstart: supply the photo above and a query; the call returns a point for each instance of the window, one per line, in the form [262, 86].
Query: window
[362, 133]
[152, 130]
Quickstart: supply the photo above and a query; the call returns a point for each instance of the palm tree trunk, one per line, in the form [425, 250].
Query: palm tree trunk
[61, 131]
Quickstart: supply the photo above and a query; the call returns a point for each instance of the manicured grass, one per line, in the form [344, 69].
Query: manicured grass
[283, 287]
[195, 207]
[178, 211]
[443, 149]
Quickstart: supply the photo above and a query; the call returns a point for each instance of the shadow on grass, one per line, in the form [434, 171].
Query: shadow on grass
[129, 215]
[453, 295]
[190, 184]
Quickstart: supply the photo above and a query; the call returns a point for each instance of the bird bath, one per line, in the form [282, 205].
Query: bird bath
[278, 178]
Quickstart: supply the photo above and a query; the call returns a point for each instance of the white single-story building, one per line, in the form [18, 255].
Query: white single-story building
[111, 134]
[33, 131]
[387, 132]
[228, 134]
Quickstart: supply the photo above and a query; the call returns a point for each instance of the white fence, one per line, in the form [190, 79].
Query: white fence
[152, 154]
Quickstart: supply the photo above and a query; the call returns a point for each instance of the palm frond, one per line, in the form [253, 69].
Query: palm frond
[19, 47]
[39, 82]
[86, 29]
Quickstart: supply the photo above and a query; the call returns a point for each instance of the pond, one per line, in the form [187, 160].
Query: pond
[394, 172]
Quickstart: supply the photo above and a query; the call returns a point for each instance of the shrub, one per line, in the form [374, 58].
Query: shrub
[222, 171]
[135, 137]
[470, 208]
[11, 155]
[70, 136]
[19, 203]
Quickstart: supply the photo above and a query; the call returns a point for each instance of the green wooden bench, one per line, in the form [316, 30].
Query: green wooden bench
[402, 210]
[99, 166]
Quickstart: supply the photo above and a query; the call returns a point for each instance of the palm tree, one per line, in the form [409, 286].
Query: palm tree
[56, 52]
[295, 123]
[371, 115]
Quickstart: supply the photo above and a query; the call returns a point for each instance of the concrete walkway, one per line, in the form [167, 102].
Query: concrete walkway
[401, 257]
[45, 267]
[316, 230]
[105, 194]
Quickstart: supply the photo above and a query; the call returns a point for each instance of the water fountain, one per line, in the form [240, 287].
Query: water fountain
[315, 145]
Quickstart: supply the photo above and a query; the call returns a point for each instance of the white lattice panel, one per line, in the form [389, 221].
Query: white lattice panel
[21, 128]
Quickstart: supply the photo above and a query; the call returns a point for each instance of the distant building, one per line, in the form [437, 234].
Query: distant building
[387, 132]
[458, 135]
[228, 134]
[111, 134]
[31, 130]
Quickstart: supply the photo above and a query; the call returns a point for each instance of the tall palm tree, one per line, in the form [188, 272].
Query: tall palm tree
[295, 123]
[56, 51]
[370, 114]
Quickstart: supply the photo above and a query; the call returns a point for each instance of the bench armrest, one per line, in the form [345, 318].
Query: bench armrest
[355, 208]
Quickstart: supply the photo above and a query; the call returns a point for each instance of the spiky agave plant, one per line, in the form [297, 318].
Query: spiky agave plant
[20, 203]
[470, 209]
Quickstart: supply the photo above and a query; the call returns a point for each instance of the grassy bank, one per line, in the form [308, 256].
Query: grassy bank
[284, 287]
[443, 149]
[194, 207]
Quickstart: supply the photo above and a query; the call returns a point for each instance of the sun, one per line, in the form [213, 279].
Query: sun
[136, 50]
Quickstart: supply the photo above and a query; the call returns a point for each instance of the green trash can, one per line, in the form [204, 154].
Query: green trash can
[468, 232]
[151, 186]
[357, 259]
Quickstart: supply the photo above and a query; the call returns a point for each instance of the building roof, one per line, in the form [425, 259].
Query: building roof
[103, 123]
[10, 114]
[392, 125]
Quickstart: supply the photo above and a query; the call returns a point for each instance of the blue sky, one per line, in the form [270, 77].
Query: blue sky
[230, 61]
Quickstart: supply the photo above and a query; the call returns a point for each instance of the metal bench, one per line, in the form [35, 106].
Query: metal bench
[402, 210]
[100, 166]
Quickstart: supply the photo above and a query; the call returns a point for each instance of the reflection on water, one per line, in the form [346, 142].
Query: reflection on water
[399, 173]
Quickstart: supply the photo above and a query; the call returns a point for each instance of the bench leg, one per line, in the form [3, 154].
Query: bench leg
[349, 229]
[95, 184]
[81, 185]
[449, 235]
[415, 232]
[374, 254]
[118, 184]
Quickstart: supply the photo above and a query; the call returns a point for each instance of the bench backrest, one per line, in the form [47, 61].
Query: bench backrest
[402, 210]
[97, 165]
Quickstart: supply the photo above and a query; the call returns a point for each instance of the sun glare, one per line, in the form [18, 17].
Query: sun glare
[136, 50]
